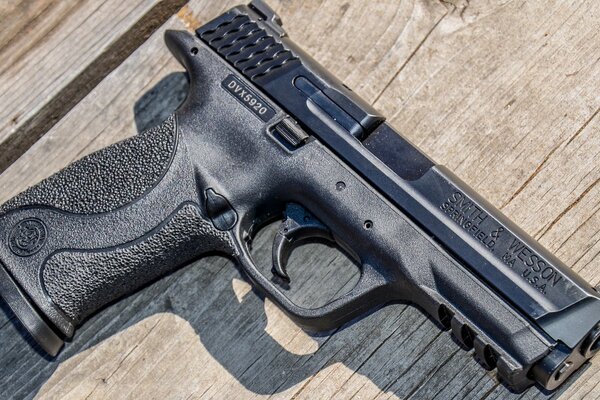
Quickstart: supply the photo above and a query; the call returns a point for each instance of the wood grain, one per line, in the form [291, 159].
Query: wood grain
[504, 93]
[52, 53]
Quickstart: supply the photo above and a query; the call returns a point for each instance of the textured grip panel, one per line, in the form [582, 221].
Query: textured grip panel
[80, 282]
[107, 179]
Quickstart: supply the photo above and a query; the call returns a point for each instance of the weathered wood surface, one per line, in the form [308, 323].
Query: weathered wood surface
[504, 93]
[52, 53]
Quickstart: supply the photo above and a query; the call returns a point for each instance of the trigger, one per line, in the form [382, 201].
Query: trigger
[298, 225]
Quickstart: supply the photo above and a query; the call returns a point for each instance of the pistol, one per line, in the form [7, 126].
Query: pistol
[264, 134]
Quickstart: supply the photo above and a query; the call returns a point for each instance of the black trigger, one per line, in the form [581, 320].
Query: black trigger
[298, 225]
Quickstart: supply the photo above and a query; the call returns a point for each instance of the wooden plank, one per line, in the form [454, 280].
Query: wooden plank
[507, 89]
[481, 86]
[52, 53]
[504, 95]
[313, 13]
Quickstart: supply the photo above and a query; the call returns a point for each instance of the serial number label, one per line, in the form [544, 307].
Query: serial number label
[532, 267]
[248, 98]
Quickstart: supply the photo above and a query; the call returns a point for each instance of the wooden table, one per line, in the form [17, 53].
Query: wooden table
[505, 93]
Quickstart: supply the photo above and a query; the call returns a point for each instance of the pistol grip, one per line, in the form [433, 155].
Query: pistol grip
[105, 226]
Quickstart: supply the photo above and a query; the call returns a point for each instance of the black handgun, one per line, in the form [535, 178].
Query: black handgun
[266, 133]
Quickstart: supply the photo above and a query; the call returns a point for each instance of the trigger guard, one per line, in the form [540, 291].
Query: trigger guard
[299, 225]
[374, 287]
